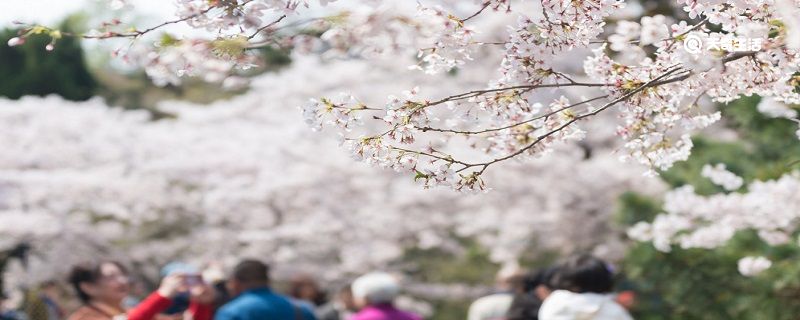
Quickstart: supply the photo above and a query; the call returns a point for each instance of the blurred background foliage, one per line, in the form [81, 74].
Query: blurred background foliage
[681, 284]
[705, 284]
[76, 75]
[31, 70]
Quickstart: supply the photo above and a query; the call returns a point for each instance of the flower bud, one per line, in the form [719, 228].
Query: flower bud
[16, 41]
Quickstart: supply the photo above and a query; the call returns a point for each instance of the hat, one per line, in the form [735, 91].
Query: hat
[376, 287]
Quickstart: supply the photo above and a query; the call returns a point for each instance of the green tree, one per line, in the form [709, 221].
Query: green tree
[705, 284]
[29, 69]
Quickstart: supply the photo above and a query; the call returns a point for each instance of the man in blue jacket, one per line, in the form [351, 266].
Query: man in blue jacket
[255, 300]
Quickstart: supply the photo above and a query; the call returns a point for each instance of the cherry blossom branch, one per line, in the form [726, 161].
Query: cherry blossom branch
[446, 158]
[738, 55]
[654, 82]
[266, 26]
[261, 44]
[138, 33]
[485, 5]
[675, 37]
[424, 129]
[475, 93]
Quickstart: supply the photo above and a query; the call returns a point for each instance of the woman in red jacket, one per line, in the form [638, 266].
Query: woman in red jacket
[102, 287]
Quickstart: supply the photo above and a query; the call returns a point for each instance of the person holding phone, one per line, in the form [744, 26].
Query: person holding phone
[102, 286]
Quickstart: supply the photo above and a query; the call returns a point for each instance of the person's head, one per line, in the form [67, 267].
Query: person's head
[345, 297]
[248, 274]
[304, 287]
[49, 288]
[584, 273]
[526, 303]
[535, 288]
[105, 281]
[510, 279]
[542, 284]
[375, 288]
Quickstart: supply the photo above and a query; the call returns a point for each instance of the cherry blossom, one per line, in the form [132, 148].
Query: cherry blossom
[693, 221]
[751, 266]
[773, 108]
[655, 70]
[502, 82]
[244, 173]
[722, 177]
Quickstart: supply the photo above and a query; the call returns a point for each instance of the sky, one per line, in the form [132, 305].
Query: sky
[52, 11]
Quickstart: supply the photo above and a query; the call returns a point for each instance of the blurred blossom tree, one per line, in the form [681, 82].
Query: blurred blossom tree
[235, 179]
[518, 94]
[654, 69]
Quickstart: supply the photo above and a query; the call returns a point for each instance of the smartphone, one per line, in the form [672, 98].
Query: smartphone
[193, 280]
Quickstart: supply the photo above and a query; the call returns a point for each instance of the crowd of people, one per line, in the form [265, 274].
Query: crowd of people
[577, 288]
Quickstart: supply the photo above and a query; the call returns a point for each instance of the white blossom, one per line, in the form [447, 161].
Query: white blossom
[751, 266]
[722, 177]
[775, 109]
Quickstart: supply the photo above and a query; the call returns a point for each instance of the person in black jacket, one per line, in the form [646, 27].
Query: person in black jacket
[536, 287]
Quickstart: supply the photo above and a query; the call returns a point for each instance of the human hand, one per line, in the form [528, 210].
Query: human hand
[202, 293]
[171, 285]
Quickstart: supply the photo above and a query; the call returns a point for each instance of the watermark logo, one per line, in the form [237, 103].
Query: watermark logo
[695, 44]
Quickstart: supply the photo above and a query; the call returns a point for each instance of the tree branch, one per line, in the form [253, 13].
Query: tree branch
[486, 5]
[266, 26]
[650, 83]
[424, 129]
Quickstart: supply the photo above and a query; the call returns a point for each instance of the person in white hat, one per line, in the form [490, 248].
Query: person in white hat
[374, 294]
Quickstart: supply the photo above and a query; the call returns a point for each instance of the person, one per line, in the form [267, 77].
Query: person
[180, 302]
[342, 307]
[103, 286]
[49, 292]
[254, 300]
[6, 311]
[136, 294]
[374, 294]
[214, 276]
[536, 287]
[583, 284]
[303, 287]
[34, 306]
[496, 305]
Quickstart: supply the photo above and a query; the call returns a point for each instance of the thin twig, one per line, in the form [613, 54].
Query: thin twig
[424, 129]
[137, 33]
[475, 93]
[265, 27]
[486, 5]
[650, 83]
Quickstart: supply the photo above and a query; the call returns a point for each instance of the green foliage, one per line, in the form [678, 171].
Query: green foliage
[471, 267]
[705, 284]
[450, 309]
[765, 150]
[634, 208]
[438, 266]
[29, 69]
[275, 57]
